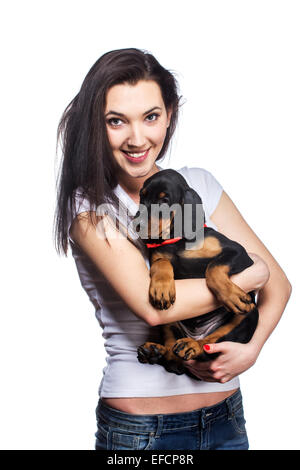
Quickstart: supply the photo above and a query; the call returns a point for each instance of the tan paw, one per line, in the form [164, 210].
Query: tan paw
[187, 348]
[235, 299]
[162, 293]
[151, 353]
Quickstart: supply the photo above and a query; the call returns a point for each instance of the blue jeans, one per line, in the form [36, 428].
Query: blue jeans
[217, 427]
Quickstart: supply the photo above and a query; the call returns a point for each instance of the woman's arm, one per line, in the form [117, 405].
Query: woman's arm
[124, 267]
[272, 299]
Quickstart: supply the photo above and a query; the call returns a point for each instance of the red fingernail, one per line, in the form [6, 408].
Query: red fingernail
[206, 347]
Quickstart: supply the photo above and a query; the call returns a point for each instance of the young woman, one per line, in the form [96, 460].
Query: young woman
[114, 133]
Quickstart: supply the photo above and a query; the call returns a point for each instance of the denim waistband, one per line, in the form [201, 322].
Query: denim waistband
[162, 422]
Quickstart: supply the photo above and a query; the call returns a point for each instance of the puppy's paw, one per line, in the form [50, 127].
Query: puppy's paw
[151, 353]
[162, 293]
[187, 348]
[236, 300]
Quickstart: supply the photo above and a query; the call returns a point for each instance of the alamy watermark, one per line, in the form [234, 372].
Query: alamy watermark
[154, 222]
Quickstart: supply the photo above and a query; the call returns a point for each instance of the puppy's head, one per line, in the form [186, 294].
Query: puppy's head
[164, 198]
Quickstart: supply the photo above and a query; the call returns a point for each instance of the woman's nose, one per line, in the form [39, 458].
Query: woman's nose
[136, 136]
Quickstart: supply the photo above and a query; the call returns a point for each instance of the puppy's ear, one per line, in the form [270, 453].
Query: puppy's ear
[193, 213]
[191, 197]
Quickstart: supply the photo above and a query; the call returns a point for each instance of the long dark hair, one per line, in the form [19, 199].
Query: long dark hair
[88, 162]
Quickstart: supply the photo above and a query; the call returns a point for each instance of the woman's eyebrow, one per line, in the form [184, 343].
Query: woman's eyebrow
[123, 115]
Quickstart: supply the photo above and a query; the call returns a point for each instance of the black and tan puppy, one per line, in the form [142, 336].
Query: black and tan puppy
[198, 252]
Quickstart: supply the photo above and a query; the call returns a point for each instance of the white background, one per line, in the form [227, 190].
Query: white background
[237, 63]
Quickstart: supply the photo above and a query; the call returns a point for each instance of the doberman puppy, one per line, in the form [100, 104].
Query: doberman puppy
[198, 252]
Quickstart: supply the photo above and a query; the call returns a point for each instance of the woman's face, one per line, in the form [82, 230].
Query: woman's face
[136, 123]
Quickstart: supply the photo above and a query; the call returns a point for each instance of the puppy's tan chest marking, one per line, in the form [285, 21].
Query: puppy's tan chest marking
[209, 248]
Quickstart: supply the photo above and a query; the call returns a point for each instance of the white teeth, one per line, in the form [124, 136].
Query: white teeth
[136, 155]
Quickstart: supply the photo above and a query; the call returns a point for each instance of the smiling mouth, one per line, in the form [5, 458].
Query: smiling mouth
[136, 156]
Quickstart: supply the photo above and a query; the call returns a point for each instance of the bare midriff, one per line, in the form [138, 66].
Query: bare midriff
[164, 405]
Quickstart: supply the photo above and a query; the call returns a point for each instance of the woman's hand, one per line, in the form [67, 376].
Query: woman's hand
[234, 359]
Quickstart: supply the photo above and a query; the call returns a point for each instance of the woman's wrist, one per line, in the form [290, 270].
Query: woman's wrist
[254, 349]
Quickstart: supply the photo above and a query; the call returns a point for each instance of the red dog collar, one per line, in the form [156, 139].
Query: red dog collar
[166, 242]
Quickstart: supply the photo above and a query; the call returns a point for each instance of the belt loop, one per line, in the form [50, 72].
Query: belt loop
[229, 407]
[202, 419]
[160, 424]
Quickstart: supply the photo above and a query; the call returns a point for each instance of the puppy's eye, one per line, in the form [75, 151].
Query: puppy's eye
[163, 198]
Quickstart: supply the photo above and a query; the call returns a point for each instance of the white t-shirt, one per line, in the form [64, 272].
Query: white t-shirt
[123, 332]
